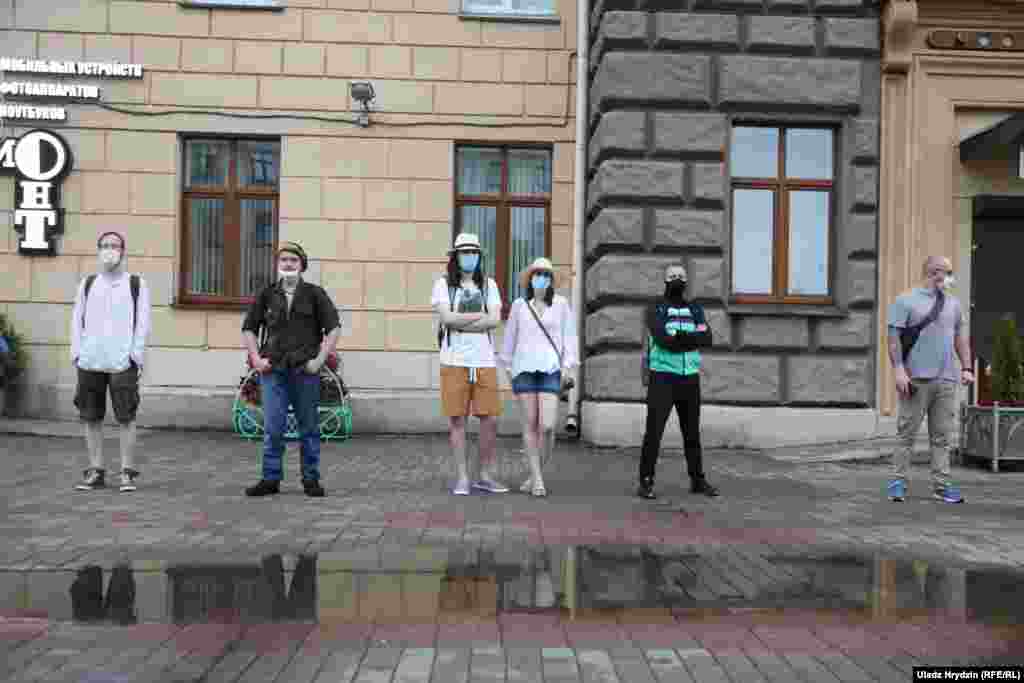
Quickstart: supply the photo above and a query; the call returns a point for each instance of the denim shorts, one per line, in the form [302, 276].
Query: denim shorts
[537, 383]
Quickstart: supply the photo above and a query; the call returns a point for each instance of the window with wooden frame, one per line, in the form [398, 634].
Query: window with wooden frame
[783, 203]
[229, 220]
[503, 195]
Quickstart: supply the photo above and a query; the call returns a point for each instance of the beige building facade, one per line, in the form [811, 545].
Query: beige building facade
[243, 128]
[952, 94]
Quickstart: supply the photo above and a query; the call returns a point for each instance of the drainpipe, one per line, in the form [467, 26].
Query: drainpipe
[572, 422]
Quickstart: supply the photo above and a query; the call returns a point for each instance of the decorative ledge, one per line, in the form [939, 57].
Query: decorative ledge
[775, 309]
[262, 5]
[512, 18]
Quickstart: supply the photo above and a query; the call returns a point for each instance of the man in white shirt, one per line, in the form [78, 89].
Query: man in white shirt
[469, 307]
[109, 327]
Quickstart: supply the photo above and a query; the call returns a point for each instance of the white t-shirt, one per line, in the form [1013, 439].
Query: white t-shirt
[467, 349]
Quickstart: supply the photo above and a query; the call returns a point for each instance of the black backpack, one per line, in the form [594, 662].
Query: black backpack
[133, 282]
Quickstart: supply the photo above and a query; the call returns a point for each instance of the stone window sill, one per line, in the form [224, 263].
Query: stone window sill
[217, 306]
[512, 18]
[259, 5]
[809, 310]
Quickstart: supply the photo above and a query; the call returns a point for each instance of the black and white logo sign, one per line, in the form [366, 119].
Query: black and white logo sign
[40, 160]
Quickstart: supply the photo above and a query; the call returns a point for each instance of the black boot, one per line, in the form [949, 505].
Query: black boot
[265, 487]
[702, 486]
[646, 489]
[313, 488]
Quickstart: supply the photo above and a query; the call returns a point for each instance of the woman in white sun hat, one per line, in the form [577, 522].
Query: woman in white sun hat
[468, 305]
[539, 349]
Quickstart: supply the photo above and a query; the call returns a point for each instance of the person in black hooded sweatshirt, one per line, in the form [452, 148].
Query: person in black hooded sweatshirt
[676, 330]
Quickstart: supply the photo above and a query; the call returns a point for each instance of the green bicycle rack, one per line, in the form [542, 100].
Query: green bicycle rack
[335, 410]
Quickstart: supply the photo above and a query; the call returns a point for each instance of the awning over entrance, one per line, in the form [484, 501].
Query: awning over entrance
[993, 143]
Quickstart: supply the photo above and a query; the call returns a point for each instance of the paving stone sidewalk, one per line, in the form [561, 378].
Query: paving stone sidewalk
[391, 492]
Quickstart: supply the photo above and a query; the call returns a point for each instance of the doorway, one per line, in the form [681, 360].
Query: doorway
[997, 256]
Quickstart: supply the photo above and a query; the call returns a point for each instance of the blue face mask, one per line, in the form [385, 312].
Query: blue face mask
[468, 262]
[540, 282]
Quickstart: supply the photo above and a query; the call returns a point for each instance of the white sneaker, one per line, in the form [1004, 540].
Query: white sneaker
[490, 486]
[461, 488]
[128, 477]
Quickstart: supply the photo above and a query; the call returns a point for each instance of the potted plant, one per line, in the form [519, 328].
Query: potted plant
[1007, 369]
[335, 411]
[991, 429]
[13, 358]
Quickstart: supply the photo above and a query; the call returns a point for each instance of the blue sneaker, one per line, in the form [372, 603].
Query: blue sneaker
[948, 494]
[897, 490]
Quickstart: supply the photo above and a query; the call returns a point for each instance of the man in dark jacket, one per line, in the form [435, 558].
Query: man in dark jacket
[676, 329]
[296, 316]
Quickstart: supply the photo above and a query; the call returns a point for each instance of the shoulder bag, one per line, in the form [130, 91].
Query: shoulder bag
[909, 335]
[567, 382]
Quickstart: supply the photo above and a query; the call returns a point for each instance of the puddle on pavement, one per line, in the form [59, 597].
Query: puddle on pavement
[446, 584]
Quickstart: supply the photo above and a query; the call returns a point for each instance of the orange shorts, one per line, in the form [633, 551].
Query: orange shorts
[460, 398]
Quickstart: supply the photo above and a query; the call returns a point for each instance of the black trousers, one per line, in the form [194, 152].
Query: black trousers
[665, 391]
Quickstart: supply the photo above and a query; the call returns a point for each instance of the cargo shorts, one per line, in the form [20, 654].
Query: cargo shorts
[91, 394]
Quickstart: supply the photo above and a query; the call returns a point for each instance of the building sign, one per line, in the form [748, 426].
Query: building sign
[39, 159]
[51, 90]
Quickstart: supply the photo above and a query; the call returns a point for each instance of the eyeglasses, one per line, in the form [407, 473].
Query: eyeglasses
[110, 245]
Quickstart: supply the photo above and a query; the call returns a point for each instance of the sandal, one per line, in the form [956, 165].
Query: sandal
[538, 491]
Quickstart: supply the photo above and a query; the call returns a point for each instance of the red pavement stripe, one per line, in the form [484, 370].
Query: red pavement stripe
[790, 639]
[344, 632]
[534, 638]
[206, 640]
[274, 638]
[726, 638]
[409, 635]
[916, 641]
[861, 640]
[658, 637]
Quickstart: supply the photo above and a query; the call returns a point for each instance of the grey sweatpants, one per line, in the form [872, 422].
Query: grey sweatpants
[937, 400]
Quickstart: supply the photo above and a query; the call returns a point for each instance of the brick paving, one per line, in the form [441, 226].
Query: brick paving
[733, 573]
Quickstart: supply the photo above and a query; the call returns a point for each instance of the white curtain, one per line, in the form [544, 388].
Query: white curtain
[206, 225]
[527, 244]
[258, 235]
[483, 222]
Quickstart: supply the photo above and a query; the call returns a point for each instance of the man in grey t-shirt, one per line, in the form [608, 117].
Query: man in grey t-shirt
[927, 379]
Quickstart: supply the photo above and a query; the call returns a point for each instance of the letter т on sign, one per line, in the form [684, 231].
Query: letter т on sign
[39, 159]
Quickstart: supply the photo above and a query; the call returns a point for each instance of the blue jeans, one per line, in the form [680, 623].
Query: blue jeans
[278, 389]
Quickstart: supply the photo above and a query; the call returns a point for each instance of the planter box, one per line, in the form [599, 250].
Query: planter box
[992, 432]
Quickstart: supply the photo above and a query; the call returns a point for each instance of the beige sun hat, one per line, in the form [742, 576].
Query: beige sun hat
[538, 264]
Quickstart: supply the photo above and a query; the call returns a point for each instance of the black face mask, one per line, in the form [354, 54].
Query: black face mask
[675, 289]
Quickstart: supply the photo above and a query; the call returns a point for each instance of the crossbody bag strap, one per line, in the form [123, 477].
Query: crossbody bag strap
[940, 302]
[451, 309]
[545, 331]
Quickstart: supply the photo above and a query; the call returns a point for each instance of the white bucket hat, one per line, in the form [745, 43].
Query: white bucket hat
[466, 242]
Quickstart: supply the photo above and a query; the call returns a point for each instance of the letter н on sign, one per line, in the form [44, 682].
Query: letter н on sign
[39, 159]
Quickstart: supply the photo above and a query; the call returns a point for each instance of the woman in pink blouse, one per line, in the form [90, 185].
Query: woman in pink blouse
[539, 346]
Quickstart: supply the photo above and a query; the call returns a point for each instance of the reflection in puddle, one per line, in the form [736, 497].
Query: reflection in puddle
[446, 584]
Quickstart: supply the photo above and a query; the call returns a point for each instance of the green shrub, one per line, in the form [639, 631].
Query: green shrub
[15, 361]
[1007, 357]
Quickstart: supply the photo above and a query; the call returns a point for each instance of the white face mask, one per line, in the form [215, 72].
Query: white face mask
[288, 275]
[948, 282]
[109, 257]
